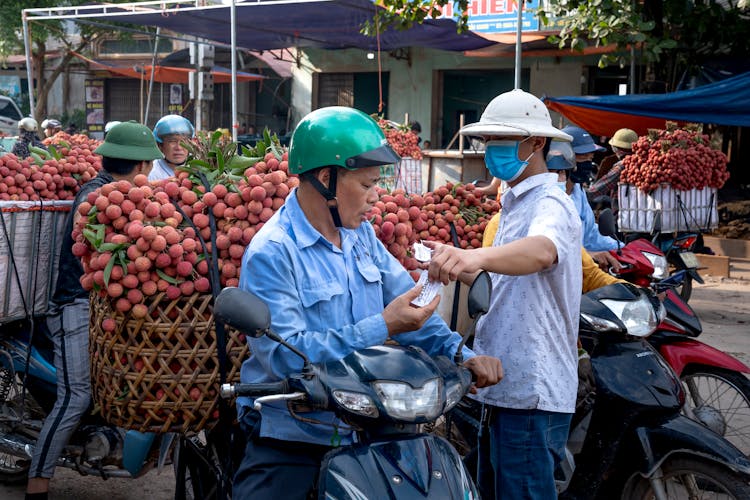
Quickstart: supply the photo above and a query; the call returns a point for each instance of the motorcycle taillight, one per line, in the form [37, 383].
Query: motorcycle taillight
[686, 243]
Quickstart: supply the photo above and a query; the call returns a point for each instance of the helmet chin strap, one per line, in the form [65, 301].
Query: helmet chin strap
[172, 163]
[328, 193]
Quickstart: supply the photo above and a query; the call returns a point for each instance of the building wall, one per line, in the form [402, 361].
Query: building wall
[411, 89]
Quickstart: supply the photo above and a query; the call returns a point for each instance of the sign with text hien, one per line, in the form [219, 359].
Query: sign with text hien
[498, 16]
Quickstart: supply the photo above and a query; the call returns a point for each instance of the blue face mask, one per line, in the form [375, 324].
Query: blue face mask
[501, 158]
[563, 185]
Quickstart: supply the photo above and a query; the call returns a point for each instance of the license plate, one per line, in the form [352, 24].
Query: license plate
[690, 260]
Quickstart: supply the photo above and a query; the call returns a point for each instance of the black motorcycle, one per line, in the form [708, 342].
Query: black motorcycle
[384, 392]
[628, 438]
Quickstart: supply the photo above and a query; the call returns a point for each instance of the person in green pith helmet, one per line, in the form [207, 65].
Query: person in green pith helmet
[333, 289]
[128, 150]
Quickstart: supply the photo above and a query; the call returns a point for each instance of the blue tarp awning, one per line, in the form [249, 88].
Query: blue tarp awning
[273, 24]
[726, 102]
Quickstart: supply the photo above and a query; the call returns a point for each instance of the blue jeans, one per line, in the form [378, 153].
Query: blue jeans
[525, 446]
[275, 469]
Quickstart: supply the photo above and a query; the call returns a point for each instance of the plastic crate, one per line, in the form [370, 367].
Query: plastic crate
[406, 175]
[31, 236]
[693, 210]
[409, 175]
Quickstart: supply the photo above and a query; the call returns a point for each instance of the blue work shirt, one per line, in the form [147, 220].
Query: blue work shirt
[592, 239]
[327, 302]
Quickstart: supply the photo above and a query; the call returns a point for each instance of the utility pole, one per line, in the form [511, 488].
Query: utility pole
[202, 82]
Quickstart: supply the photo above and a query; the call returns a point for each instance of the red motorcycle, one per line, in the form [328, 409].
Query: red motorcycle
[718, 392]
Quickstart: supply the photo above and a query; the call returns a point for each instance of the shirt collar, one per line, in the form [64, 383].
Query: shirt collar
[527, 185]
[304, 233]
[106, 176]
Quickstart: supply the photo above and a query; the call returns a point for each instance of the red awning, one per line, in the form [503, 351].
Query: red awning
[605, 123]
[168, 74]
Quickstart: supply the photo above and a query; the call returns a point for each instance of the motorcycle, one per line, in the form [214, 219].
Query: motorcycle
[718, 392]
[386, 393]
[679, 249]
[628, 438]
[28, 392]
[669, 253]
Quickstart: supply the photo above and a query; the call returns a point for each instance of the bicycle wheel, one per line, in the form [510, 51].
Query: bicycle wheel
[720, 400]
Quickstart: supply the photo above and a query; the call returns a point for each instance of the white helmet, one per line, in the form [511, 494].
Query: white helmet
[51, 123]
[515, 113]
[110, 124]
[29, 124]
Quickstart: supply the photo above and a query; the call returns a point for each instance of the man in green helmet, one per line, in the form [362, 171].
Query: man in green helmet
[333, 289]
[128, 150]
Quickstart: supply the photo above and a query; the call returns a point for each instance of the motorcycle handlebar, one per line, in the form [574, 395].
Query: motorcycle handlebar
[253, 390]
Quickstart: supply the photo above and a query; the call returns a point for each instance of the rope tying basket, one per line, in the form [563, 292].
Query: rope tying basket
[160, 373]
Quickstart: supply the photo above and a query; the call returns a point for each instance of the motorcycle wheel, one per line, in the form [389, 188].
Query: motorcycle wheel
[720, 400]
[13, 469]
[686, 289]
[193, 475]
[690, 478]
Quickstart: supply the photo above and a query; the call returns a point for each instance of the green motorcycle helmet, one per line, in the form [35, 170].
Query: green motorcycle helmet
[341, 137]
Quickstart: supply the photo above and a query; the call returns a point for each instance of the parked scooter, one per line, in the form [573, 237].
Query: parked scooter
[718, 392]
[677, 249]
[628, 438]
[385, 392]
[96, 448]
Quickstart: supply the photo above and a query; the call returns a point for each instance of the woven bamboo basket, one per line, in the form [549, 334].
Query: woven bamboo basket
[160, 373]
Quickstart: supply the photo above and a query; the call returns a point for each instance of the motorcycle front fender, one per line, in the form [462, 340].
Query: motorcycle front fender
[693, 352]
[683, 436]
[412, 467]
[694, 274]
[135, 449]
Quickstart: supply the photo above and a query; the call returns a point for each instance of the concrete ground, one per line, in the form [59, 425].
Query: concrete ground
[722, 304]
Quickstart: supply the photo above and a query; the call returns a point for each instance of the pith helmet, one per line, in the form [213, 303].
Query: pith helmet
[624, 138]
[515, 113]
[130, 141]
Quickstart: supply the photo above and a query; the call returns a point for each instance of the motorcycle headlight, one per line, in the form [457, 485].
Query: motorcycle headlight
[638, 316]
[356, 402]
[453, 394]
[403, 402]
[661, 269]
[601, 324]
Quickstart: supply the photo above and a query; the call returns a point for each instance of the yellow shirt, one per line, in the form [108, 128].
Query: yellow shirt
[593, 276]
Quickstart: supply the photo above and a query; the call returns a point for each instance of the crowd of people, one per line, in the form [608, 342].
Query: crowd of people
[334, 288]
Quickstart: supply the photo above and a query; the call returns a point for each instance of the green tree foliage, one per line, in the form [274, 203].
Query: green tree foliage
[671, 36]
[679, 35]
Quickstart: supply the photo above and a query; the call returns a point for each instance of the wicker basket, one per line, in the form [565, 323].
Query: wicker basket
[160, 373]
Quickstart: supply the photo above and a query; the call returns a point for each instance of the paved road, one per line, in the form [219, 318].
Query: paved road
[722, 304]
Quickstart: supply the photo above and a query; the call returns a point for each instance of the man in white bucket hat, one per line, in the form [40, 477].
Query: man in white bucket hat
[532, 324]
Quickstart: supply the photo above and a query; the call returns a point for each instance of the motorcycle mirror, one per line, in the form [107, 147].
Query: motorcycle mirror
[478, 303]
[232, 306]
[479, 295]
[249, 314]
[607, 223]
